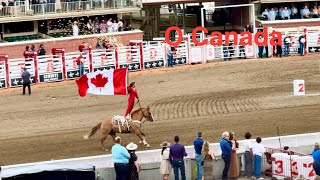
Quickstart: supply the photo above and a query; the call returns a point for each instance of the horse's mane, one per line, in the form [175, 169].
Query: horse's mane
[135, 111]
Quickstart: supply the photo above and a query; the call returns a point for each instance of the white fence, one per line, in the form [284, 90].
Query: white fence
[152, 156]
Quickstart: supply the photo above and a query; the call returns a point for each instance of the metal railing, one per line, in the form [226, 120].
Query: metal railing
[23, 8]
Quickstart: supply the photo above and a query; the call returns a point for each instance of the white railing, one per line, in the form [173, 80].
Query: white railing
[23, 8]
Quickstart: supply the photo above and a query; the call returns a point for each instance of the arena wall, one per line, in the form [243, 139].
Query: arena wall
[150, 160]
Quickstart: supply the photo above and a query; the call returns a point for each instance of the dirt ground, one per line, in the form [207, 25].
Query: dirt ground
[239, 95]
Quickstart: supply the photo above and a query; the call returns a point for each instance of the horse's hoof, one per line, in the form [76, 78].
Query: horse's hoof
[140, 142]
[106, 150]
[148, 146]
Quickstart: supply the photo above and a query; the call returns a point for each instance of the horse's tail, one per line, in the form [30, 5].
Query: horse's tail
[93, 131]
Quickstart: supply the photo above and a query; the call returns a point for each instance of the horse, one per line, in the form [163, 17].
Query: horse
[118, 124]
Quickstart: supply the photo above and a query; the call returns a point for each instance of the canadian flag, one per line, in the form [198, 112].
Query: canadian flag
[108, 82]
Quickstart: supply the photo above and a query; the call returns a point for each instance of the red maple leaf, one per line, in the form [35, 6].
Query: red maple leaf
[99, 82]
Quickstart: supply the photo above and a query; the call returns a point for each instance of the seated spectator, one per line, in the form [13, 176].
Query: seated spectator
[294, 12]
[318, 11]
[285, 13]
[315, 12]
[265, 15]
[272, 14]
[305, 13]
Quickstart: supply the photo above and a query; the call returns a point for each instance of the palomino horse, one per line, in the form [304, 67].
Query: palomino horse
[117, 124]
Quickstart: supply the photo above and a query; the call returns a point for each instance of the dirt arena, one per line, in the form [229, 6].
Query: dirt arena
[239, 95]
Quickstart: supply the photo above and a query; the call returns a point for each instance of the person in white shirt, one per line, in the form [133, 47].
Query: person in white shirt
[258, 150]
[120, 24]
[248, 156]
[115, 26]
[109, 25]
[75, 29]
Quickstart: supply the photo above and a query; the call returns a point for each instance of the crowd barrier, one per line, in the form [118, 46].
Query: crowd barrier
[137, 56]
[287, 164]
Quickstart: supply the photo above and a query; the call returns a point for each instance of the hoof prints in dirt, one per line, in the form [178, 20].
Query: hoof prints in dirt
[202, 106]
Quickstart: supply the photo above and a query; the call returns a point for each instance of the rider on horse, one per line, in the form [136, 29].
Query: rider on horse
[132, 95]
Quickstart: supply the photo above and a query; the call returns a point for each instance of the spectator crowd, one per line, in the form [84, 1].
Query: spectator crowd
[127, 166]
[285, 13]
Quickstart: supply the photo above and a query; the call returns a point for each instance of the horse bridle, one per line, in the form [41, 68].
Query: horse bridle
[142, 112]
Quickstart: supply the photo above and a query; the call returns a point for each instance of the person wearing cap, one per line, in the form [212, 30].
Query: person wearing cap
[316, 158]
[26, 81]
[120, 157]
[134, 167]
[177, 152]
[198, 143]
[165, 167]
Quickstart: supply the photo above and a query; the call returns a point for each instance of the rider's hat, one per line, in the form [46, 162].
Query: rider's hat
[165, 144]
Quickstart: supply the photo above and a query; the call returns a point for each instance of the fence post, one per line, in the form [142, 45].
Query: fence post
[36, 73]
[63, 60]
[141, 56]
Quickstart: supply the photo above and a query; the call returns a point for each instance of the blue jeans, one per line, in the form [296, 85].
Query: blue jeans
[170, 60]
[179, 164]
[286, 49]
[227, 160]
[199, 159]
[257, 166]
[301, 48]
[260, 51]
[248, 166]
[122, 171]
[81, 69]
[316, 167]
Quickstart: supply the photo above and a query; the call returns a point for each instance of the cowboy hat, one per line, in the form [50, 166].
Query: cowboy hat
[131, 146]
[165, 144]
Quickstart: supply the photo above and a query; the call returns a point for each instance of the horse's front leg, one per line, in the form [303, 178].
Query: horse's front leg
[142, 137]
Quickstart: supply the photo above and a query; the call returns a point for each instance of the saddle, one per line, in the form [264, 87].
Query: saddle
[121, 121]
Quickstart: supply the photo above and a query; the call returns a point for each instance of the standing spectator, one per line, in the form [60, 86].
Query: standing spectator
[302, 40]
[165, 167]
[226, 149]
[170, 56]
[258, 150]
[248, 156]
[120, 159]
[80, 62]
[198, 143]
[33, 48]
[316, 158]
[75, 29]
[120, 24]
[286, 42]
[41, 51]
[177, 152]
[234, 167]
[278, 49]
[26, 81]
[134, 167]
[208, 157]
[115, 26]
[260, 47]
